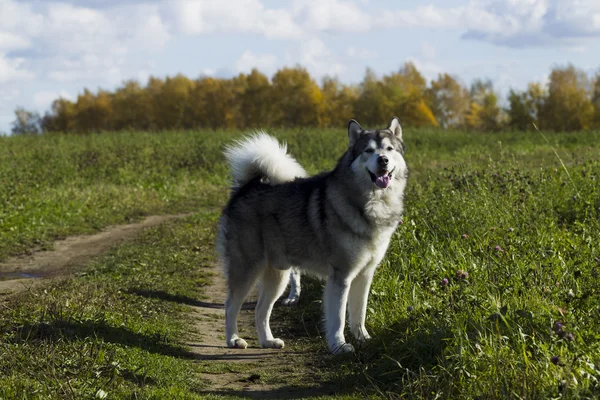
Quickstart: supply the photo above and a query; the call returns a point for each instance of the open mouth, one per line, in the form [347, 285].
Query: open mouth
[382, 178]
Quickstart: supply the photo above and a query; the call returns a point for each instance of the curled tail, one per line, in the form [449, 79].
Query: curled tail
[262, 156]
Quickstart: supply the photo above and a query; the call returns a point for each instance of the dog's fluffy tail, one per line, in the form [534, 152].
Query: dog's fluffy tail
[262, 156]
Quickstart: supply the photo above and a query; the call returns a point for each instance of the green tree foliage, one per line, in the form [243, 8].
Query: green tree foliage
[338, 102]
[255, 101]
[292, 98]
[484, 114]
[568, 105]
[524, 107]
[448, 101]
[401, 93]
[26, 122]
[596, 100]
[297, 100]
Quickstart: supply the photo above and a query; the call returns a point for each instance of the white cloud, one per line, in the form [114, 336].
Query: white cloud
[318, 59]
[331, 16]
[265, 63]
[11, 69]
[10, 41]
[233, 16]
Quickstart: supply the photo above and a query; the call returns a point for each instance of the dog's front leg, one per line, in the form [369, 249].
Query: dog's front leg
[336, 297]
[357, 303]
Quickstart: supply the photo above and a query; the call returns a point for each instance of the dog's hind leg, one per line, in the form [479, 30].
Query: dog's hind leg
[294, 295]
[238, 288]
[271, 286]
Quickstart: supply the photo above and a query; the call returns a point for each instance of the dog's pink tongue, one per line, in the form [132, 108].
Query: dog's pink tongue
[383, 181]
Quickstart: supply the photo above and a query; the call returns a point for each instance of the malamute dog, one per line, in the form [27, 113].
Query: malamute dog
[336, 225]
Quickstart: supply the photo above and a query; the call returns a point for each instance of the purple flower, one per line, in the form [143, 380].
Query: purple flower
[445, 282]
[557, 326]
[459, 273]
[498, 248]
[570, 337]
[409, 308]
[464, 236]
[465, 275]
[554, 360]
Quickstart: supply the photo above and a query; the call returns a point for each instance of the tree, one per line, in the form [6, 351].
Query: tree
[401, 93]
[338, 101]
[26, 122]
[93, 112]
[448, 101]
[61, 117]
[132, 108]
[255, 101]
[568, 106]
[484, 114]
[524, 107]
[369, 107]
[297, 100]
[213, 104]
[596, 100]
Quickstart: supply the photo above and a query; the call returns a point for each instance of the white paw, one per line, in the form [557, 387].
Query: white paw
[237, 343]
[361, 334]
[364, 337]
[291, 301]
[272, 344]
[342, 348]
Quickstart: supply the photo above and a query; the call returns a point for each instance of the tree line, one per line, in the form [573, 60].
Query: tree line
[569, 101]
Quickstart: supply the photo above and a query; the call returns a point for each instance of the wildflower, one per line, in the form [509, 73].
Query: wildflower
[498, 249]
[409, 308]
[570, 337]
[464, 236]
[558, 325]
[554, 360]
[445, 282]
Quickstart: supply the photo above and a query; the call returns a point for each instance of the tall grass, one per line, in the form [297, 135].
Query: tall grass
[498, 247]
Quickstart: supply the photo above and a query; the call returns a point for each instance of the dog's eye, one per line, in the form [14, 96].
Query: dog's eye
[390, 148]
[369, 150]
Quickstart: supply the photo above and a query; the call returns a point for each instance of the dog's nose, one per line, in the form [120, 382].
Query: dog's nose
[382, 161]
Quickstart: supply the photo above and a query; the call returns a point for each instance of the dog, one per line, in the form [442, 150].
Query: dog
[336, 225]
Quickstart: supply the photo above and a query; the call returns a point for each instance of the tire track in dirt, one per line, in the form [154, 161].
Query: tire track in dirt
[69, 255]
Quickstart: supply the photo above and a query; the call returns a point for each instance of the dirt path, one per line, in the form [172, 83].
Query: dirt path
[253, 372]
[20, 273]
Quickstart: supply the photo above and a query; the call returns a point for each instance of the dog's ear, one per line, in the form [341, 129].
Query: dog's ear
[395, 127]
[354, 132]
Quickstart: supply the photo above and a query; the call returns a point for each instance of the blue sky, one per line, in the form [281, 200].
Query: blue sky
[56, 48]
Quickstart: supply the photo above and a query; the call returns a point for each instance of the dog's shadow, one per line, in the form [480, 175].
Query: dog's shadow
[162, 295]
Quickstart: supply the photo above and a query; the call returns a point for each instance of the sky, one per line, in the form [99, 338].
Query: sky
[51, 49]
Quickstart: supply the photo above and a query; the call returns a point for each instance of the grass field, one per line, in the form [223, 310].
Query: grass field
[489, 289]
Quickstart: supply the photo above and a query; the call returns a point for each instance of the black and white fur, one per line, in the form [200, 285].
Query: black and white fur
[336, 225]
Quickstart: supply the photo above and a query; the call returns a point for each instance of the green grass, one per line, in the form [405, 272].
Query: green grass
[485, 336]
[111, 329]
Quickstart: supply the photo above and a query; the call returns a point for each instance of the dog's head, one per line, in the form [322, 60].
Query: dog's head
[377, 155]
